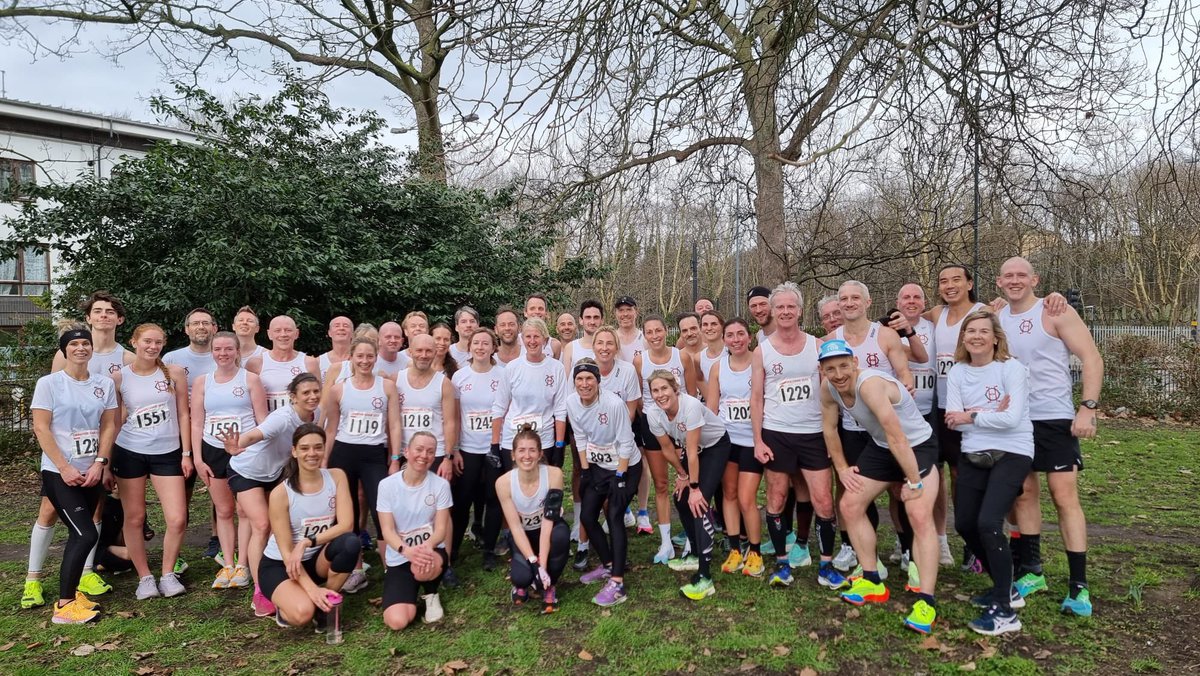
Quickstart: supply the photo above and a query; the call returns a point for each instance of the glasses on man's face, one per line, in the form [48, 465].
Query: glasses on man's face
[200, 322]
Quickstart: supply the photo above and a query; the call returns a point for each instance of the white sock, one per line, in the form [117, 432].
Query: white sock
[664, 531]
[91, 557]
[583, 547]
[942, 540]
[39, 547]
[576, 511]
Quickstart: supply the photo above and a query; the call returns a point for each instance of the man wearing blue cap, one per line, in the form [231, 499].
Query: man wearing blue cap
[901, 450]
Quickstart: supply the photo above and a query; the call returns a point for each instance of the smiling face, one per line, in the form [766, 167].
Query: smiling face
[482, 346]
[831, 316]
[103, 316]
[627, 316]
[341, 330]
[309, 452]
[566, 327]
[586, 386]
[534, 342]
[703, 305]
[841, 372]
[245, 324]
[79, 351]
[710, 328]
[954, 287]
[391, 339]
[760, 310]
[785, 309]
[441, 341]
[200, 328]
[225, 352]
[363, 358]
[149, 345]
[853, 302]
[1017, 280]
[535, 307]
[654, 334]
[979, 339]
[591, 319]
[737, 339]
[421, 351]
[689, 333]
[307, 396]
[283, 332]
[466, 324]
[664, 394]
[506, 327]
[420, 452]
[911, 301]
[527, 454]
[605, 347]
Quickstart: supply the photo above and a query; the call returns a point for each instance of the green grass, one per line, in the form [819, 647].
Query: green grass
[746, 626]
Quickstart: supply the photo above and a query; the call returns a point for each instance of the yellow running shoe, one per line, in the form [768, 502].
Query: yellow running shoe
[92, 583]
[753, 565]
[33, 594]
[84, 601]
[72, 613]
[733, 563]
[224, 578]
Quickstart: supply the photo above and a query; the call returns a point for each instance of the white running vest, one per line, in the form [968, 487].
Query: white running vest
[945, 340]
[277, 375]
[421, 409]
[633, 348]
[924, 373]
[151, 424]
[108, 363]
[915, 428]
[674, 365]
[790, 401]
[706, 362]
[734, 404]
[530, 508]
[578, 351]
[227, 407]
[310, 513]
[363, 414]
[1048, 361]
[869, 355]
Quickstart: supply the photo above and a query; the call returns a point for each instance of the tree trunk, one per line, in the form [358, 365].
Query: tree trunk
[759, 84]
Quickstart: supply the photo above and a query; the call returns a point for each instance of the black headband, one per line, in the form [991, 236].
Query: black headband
[74, 334]
[590, 368]
[758, 292]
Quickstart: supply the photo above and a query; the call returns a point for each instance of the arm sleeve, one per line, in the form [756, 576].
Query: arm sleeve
[625, 443]
[1016, 386]
[503, 394]
[444, 499]
[954, 400]
[560, 394]
[110, 395]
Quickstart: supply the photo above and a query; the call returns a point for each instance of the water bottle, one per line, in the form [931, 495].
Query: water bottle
[333, 630]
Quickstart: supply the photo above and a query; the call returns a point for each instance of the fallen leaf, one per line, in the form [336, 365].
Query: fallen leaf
[377, 601]
[1042, 655]
[456, 665]
[251, 636]
[853, 613]
[107, 646]
[7, 647]
[707, 652]
[691, 668]
[781, 650]
[292, 671]
[480, 671]
[931, 643]
[142, 671]
[392, 652]
[962, 597]
[814, 636]
[35, 644]
[748, 666]
[821, 653]
[969, 666]
[171, 624]
[138, 657]
[585, 656]
[212, 656]
[58, 640]
[988, 649]
[124, 614]
[605, 613]
[84, 650]
[808, 671]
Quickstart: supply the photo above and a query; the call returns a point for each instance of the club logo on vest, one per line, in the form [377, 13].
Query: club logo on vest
[99, 392]
[162, 385]
[295, 370]
[401, 397]
[333, 502]
[603, 417]
[924, 338]
[1026, 326]
[776, 368]
[377, 402]
[113, 368]
[873, 359]
[466, 387]
[430, 500]
[495, 384]
[992, 393]
[239, 392]
[550, 381]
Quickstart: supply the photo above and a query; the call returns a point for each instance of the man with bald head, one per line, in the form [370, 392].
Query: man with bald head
[1044, 343]
[341, 334]
[391, 361]
[427, 404]
[278, 366]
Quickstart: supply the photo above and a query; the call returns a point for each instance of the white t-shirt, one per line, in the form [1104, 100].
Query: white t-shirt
[622, 381]
[475, 393]
[414, 509]
[602, 430]
[691, 415]
[75, 408]
[195, 364]
[264, 460]
[981, 389]
[531, 393]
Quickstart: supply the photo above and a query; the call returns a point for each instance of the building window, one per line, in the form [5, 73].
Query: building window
[26, 274]
[14, 176]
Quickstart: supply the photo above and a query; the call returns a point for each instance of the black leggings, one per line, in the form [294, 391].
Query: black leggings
[475, 486]
[982, 498]
[700, 531]
[75, 506]
[599, 486]
[365, 464]
[523, 573]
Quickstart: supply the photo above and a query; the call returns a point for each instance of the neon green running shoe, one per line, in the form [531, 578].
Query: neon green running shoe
[864, 591]
[698, 590]
[33, 594]
[1030, 583]
[93, 585]
[1081, 605]
[921, 618]
[181, 566]
[914, 579]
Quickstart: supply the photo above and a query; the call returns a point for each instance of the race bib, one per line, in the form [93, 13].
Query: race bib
[277, 400]
[534, 420]
[737, 410]
[364, 423]
[601, 454]
[315, 525]
[479, 421]
[944, 362]
[417, 418]
[530, 521]
[219, 426]
[795, 390]
[151, 416]
[923, 379]
[417, 536]
[86, 443]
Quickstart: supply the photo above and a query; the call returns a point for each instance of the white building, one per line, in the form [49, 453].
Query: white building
[43, 144]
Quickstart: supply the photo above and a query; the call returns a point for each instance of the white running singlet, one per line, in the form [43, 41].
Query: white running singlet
[869, 355]
[913, 424]
[227, 407]
[310, 513]
[363, 414]
[674, 365]
[1048, 361]
[421, 409]
[108, 363]
[924, 373]
[263, 461]
[151, 424]
[790, 401]
[945, 340]
[530, 508]
[734, 403]
[277, 375]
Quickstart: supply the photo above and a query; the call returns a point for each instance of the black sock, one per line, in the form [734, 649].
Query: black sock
[871, 576]
[778, 534]
[788, 509]
[734, 542]
[1077, 563]
[756, 548]
[825, 535]
[1031, 554]
[906, 539]
[1014, 546]
[804, 518]
[927, 598]
[846, 539]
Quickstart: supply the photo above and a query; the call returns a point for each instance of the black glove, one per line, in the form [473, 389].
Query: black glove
[585, 478]
[493, 456]
[616, 484]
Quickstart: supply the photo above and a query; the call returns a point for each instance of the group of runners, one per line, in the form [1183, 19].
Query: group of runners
[421, 434]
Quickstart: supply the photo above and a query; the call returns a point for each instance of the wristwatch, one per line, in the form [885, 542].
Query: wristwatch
[102, 460]
[313, 540]
[1090, 404]
[533, 559]
[694, 485]
[914, 487]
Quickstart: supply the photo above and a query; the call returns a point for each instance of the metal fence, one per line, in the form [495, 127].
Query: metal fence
[15, 397]
[1165, 334]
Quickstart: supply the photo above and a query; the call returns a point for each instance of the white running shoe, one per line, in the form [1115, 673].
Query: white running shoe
[356, 582]
[894, 557]
[147, 588]
[845, 558]
[666, 552]
[433, 608]
[630, 521]
[945, 558]
[169, 585]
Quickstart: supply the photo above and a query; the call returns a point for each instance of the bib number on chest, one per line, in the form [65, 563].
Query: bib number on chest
[276, 400]
[530, 521]
[923, 379]
[151, 416]
[219, 426]
[418, 418]
[795, 390]
[86, 443]
[601, 455]
[737, 410]
[533, 420]
[365, 423]
[944, 362]
[417, 536]
[479, 421]
[315, 525]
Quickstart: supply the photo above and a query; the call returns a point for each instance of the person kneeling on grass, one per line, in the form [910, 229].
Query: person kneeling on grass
[312, 548]
[900, 450]
[414, 514]
[531, 496]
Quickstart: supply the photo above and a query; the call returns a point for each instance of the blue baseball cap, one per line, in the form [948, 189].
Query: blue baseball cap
[834, 348]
